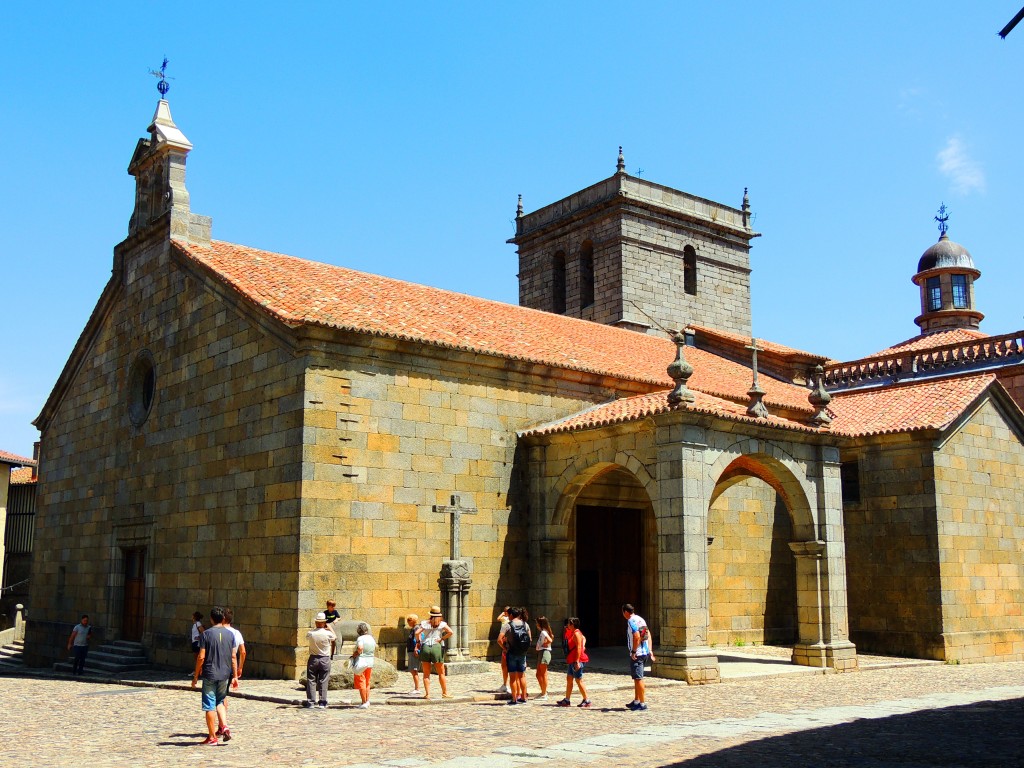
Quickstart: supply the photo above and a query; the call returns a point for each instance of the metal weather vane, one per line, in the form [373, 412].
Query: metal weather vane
[942, 218]
[163, 86]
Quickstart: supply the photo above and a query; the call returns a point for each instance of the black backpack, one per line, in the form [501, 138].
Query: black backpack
[518, 639]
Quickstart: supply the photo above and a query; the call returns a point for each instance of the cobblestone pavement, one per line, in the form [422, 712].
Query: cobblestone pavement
[943, 715]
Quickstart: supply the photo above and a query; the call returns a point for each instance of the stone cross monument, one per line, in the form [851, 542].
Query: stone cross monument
[455, 583]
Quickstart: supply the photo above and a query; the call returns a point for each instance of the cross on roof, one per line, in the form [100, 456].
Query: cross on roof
[942, 218]
[456, 510]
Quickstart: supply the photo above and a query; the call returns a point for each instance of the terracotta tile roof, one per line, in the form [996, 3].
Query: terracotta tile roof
[931, 340]
[298, 292]
[767, 346]
[641, 406]
[13, 458]
[906, 407]
[22, 476]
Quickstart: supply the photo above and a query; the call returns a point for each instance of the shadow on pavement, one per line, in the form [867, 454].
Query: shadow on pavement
[988, 733]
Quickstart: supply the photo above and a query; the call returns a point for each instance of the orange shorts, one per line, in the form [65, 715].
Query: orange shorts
[362, 679]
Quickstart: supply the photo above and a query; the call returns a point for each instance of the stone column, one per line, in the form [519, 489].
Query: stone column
[821, 579]
[681, 512]
[455, 583]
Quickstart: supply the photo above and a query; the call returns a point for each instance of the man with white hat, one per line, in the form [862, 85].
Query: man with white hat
[318, 668]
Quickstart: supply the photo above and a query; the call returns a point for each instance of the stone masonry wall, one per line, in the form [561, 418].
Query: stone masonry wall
[390, 432]
[209, 483]
[978, 475]
[752, 590]
[892, 555]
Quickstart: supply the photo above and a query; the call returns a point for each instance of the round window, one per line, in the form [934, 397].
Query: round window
[141, 388]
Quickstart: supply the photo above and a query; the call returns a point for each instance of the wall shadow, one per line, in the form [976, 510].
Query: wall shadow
[987, 733]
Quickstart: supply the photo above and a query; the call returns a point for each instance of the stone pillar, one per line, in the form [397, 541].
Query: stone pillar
[19, 623]
[455, 583]
[821, 580]
[681, 512]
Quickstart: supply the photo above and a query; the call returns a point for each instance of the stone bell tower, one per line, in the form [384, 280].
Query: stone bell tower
[945, 276]
[158, 166]
[636, 254]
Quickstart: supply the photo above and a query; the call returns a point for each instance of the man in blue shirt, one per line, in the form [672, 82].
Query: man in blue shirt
[638, 642]
[216, 664]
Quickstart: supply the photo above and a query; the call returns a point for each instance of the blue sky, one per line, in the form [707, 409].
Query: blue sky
[394, 138]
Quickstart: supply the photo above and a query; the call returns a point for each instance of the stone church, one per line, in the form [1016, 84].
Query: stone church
[248, 428]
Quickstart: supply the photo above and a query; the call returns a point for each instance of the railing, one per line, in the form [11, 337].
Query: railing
[991, 350]
[17, 632]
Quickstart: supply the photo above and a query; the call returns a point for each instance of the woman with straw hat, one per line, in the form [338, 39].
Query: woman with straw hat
[433, 633]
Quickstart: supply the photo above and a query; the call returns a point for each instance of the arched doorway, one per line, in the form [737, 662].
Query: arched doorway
[752, 585]
[616, 554]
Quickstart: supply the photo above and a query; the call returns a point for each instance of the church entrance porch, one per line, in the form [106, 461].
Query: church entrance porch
[609, 569]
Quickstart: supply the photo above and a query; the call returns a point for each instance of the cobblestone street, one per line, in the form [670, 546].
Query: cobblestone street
[946, 715]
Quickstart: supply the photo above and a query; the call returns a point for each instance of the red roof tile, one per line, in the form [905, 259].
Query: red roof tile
[767, 346]
[641, 406]
[931, 340]
[300, 292]
[13, 458]
[22, 476]
[906, 407]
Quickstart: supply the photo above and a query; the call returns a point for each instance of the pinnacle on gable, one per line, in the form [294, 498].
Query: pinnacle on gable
[163, 129]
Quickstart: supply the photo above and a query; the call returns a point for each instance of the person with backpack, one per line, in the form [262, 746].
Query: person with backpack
[638, 643]
[516, 640]
[576, 660]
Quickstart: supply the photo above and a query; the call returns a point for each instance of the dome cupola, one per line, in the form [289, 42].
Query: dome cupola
[946, 275]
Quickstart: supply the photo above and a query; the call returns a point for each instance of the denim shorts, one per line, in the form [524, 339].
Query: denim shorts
[636, 667]
[575, 670]
[214, 693]
[516, 663]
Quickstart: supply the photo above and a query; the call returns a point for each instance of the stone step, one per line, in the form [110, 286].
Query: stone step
[10, 653]
[127, 651]
[99, 666]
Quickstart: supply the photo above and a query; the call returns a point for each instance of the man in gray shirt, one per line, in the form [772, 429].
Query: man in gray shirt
[79, 640]
[216, 664]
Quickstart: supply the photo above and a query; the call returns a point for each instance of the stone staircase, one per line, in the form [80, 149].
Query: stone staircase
[11, 656]
[111, 660]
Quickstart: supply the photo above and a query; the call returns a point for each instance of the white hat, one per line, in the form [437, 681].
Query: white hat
[321, 617]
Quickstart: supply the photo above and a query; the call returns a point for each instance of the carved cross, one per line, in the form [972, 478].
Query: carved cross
[456, 510]
[752, 346]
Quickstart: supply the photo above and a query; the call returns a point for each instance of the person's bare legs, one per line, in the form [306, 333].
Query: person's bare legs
[542, 678]
[426, 679]
[583, 689]
[439, 671]
[504, 672]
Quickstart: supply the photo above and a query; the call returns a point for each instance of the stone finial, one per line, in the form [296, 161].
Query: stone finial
[746, 209]
[620, 166]
[820, 398]
[519, 208]
[756, 407]
[680, 371]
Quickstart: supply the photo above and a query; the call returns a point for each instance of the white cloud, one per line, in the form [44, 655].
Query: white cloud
[961, 169]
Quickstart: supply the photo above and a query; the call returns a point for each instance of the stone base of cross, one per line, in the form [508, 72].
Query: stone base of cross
[455, 583]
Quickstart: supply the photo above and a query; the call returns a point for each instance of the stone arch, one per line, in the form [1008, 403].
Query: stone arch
[774, 466]
[605, 512]
[584, 469]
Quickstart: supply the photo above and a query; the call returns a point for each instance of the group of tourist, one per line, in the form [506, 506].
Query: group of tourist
[220, 658]
[323, 644]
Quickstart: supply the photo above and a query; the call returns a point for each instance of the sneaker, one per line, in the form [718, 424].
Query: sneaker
[504, 689]
[522, 700]
[640, 708]
[307, 704]
[322, 705]
[585, 704]
[511, 702]
[220, 731]
[565, 703]
[227, 734]
[542, 697]
[414, 692]
[208, 741]
[364, 705]
[632, 704]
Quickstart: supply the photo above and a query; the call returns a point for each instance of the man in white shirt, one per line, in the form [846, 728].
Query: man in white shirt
[318, 668]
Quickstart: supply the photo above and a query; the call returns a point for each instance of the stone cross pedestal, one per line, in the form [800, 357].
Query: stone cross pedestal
[455, 582]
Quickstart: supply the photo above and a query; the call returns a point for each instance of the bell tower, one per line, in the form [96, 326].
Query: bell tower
[158, 166]
[639, 255]
[945, 277]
